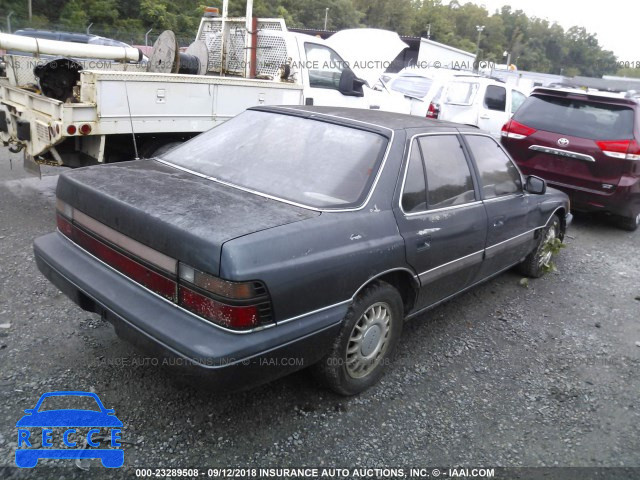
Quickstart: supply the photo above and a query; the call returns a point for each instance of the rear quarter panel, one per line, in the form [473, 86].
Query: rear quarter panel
[323, 260]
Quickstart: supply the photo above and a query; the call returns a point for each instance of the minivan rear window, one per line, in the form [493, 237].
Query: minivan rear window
[413, 86]
[578, 118]
[461, 93]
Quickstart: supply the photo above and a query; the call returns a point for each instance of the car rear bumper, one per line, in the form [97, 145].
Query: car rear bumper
[623, 201]
[226, 360]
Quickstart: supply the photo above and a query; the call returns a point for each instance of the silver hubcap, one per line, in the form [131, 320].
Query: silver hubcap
[368, 340]
[545, 258]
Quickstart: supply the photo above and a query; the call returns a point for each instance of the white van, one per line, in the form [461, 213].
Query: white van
[474, 100]
[412, 90]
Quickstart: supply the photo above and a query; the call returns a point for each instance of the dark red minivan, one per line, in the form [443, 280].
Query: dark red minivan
[584, 143]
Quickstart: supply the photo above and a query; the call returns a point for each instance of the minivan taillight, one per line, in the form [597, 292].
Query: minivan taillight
[516, 130]
[433, 111]
[623, 149]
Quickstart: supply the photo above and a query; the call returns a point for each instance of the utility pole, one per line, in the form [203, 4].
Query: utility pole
[480, 28]
[9, 22]
[326, 16]
[30, 11]
[508, 55]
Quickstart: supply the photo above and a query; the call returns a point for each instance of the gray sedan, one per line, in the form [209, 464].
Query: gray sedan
[291, 237]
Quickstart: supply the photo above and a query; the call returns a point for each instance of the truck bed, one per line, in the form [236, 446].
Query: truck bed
[113, 102]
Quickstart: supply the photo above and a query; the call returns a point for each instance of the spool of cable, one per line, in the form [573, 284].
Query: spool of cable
[167, 58]
[164, 57]
[195, 60]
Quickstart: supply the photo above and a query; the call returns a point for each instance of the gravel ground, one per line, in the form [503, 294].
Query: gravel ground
[504, 375]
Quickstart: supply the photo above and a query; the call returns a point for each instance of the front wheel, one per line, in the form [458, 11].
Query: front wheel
[539, 260]
[367, 340]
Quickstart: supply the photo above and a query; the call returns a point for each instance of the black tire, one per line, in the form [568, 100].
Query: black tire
[534, 265]
[630, 224]
[355, 364]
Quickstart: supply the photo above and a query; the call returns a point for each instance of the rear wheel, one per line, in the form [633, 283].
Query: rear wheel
[629, 223]
[539, 260]
[366, 342]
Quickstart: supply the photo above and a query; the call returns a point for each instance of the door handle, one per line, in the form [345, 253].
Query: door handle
[424, 243]
[498, 222]
[485, 117]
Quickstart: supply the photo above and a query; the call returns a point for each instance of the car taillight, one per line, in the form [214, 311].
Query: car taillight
[64, 225]
[433, 111]
[237, 305]
[516, 130]
[623, 149]
[231, 316]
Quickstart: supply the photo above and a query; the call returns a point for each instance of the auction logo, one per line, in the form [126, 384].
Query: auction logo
[67, 427]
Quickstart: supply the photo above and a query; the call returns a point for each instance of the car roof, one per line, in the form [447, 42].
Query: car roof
[601, 96]
[377, 118]
[29, 32]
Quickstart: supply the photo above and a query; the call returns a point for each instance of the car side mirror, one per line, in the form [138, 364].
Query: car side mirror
[535, 185]
[350, 85]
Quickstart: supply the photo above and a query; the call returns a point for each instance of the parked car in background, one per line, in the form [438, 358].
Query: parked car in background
[480, 101]
[250, 252]
[68, 37]
[584, 143]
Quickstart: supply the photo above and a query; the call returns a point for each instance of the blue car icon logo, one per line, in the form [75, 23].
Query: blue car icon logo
[61, 424]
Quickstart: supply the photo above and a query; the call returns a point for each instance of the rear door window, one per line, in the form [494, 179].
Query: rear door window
[498, 175]
[495, 98]
[578, 118]
[449, 181]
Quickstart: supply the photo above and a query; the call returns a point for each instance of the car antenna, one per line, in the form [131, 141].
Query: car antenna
[135, 144]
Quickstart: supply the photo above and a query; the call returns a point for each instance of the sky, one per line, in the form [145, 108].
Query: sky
[615, 22]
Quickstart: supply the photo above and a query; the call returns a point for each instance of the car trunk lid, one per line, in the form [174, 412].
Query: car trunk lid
[179, 214]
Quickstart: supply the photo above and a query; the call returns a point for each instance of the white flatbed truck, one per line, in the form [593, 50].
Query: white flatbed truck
[111, 107]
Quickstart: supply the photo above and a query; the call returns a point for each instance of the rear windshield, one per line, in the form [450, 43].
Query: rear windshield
[306, 161]
[412, 86]
[461, 93]
[578, 118]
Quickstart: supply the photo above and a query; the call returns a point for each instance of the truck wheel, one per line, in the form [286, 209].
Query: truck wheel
[370, 332]
[535, 264]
